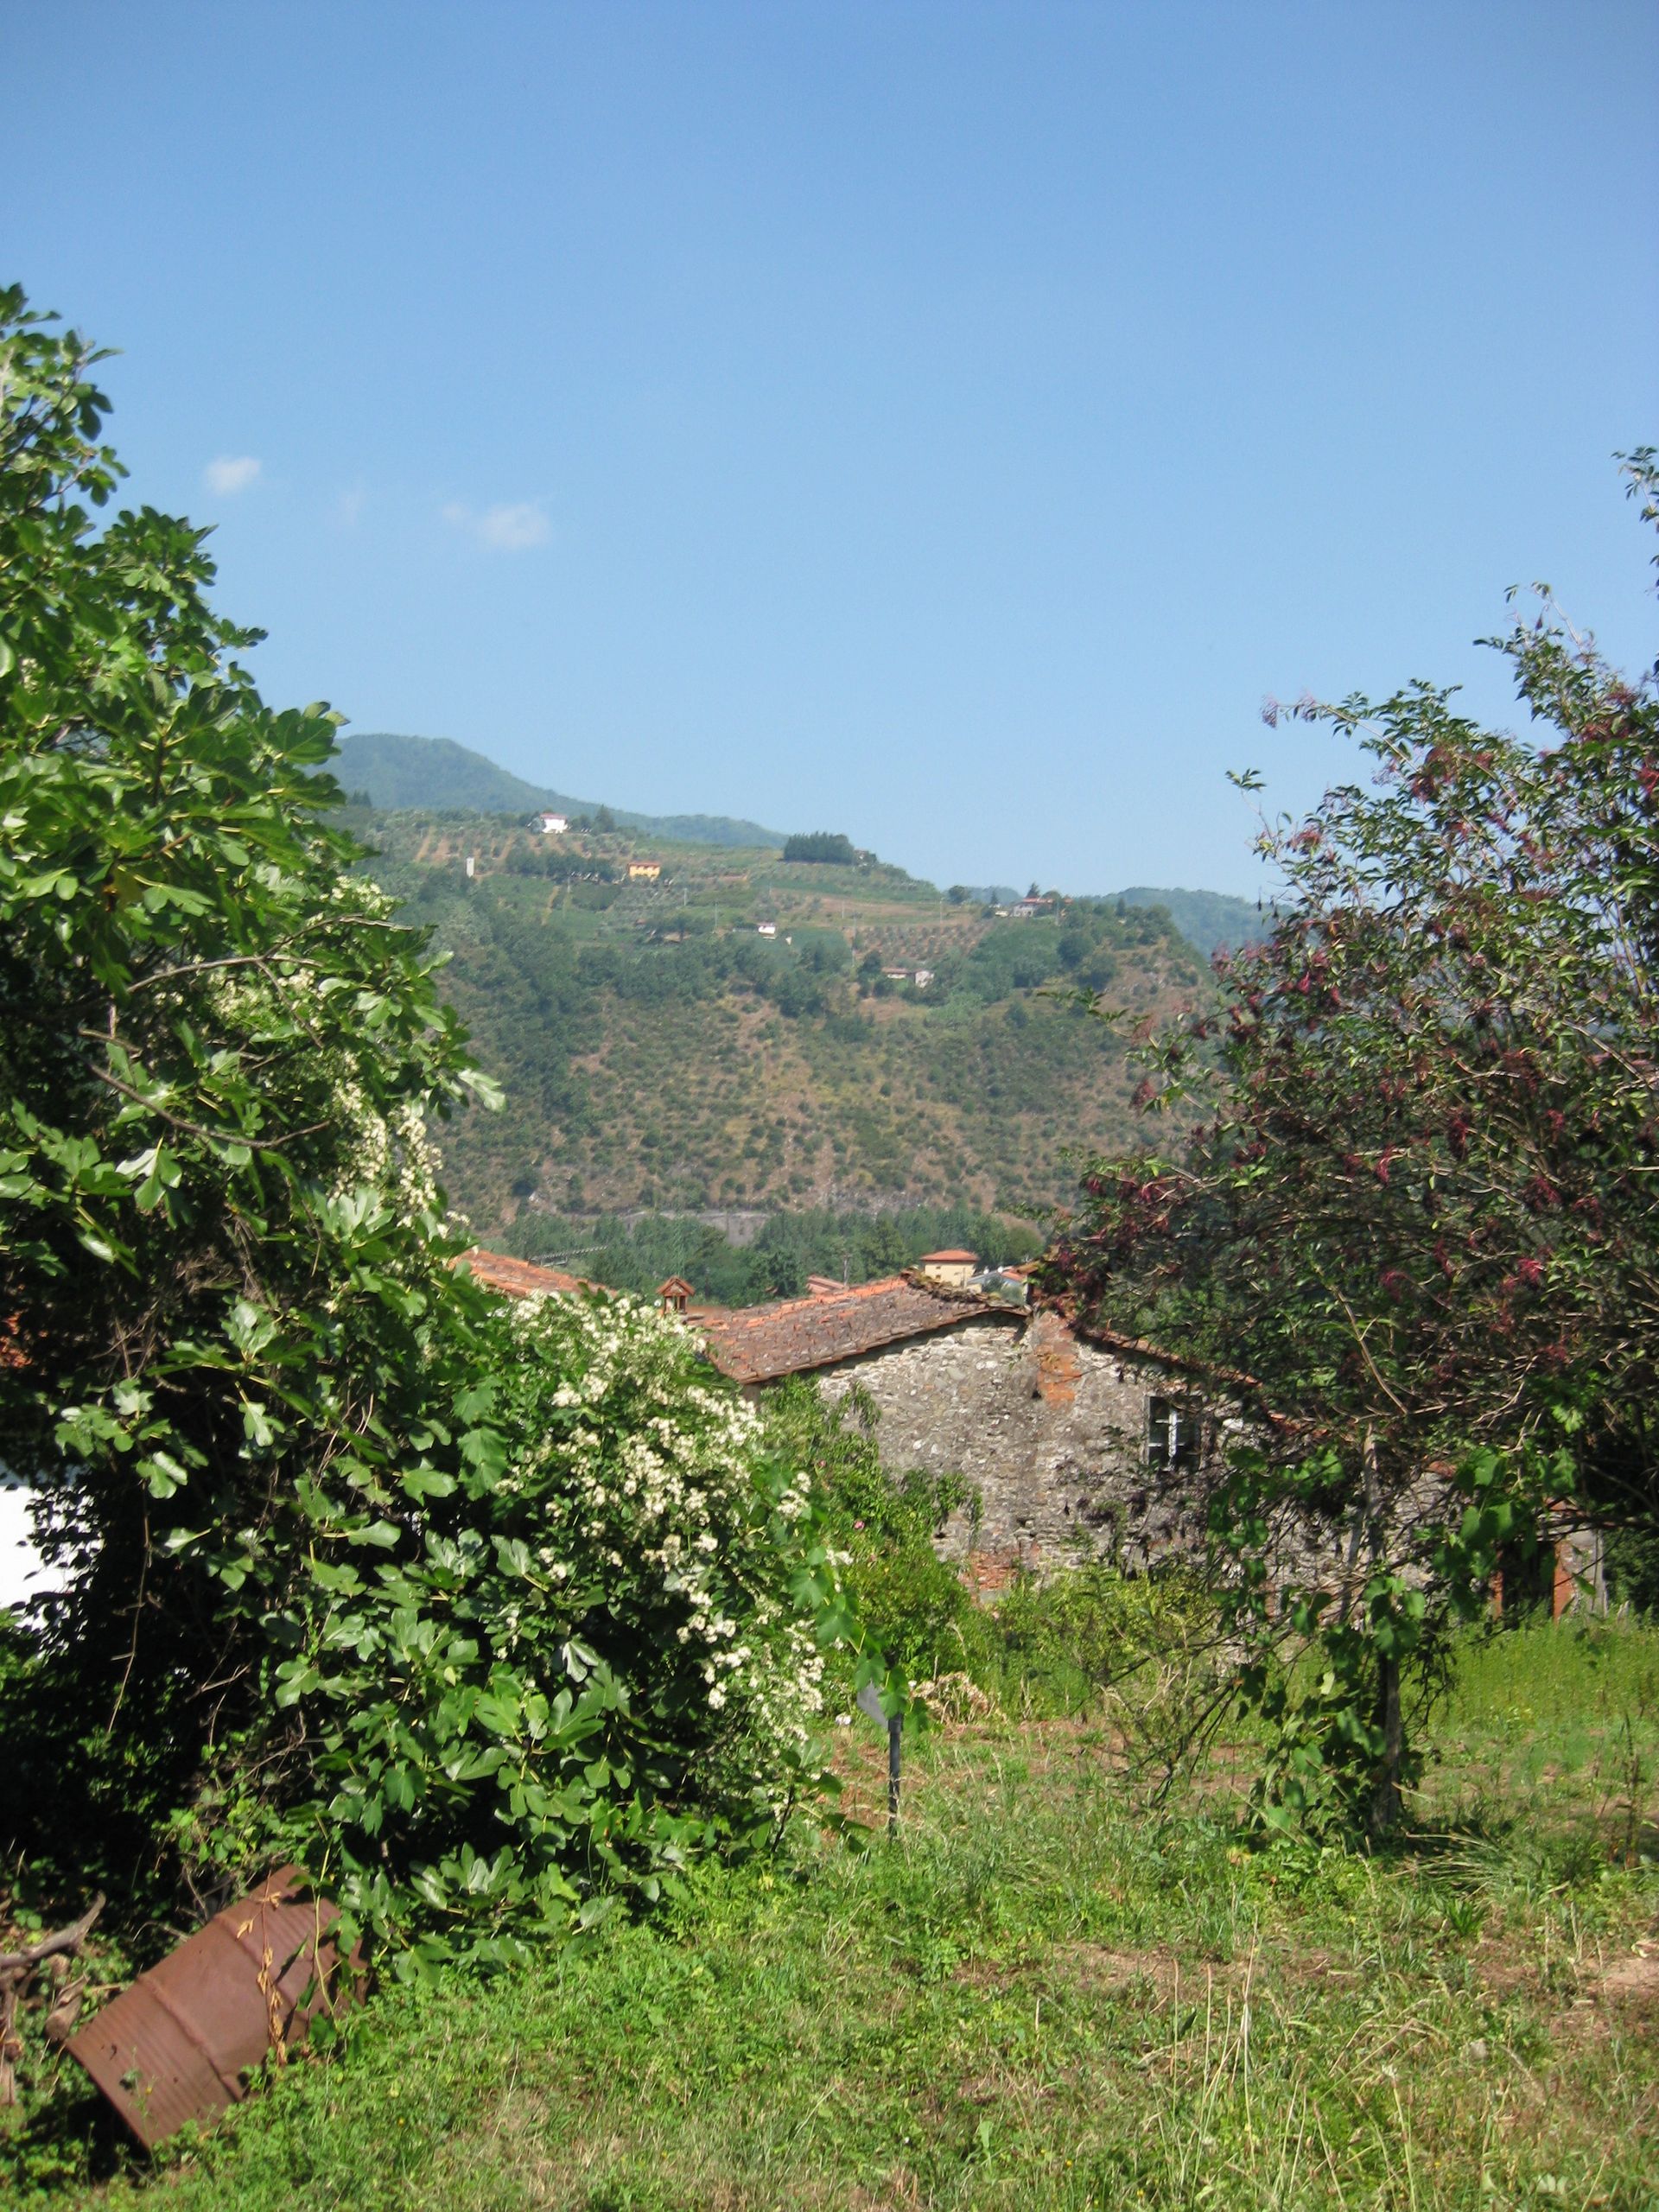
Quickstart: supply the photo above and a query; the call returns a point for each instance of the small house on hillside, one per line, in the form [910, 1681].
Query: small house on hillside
[766, 929]
[643, 871]
[552, 825]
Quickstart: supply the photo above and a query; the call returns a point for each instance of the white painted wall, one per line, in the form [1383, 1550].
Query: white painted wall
[23, 1574]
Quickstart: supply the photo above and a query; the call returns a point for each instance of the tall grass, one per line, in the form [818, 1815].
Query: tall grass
[1047, 1994]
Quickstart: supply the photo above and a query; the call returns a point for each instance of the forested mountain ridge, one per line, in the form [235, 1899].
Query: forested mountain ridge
[1214, 921]
[396, 771]
[746, 1031]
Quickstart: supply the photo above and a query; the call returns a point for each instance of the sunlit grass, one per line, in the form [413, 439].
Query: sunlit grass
[1047, 1994]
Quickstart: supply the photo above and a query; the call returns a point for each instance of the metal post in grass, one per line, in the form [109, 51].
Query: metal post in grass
[895, 1728]
[869, 1701]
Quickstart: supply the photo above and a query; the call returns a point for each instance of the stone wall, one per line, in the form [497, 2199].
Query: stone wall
[1049, 1429]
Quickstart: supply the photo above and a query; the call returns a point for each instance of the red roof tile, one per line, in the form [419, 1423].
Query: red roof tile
[520, 1278]
[762, 1343]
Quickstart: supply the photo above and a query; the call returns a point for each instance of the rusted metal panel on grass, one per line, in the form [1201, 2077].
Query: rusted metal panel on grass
[178, 2044]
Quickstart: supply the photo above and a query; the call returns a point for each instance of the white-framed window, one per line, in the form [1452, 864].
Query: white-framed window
[1174, 1434]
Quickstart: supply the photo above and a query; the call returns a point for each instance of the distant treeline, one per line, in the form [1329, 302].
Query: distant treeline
[637, 1255]
[558, 867]
[820, 845]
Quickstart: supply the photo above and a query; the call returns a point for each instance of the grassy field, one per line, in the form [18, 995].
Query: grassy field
[1051, 1992]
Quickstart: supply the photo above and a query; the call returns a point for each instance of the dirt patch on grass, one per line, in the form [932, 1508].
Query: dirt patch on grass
[901, 2192]
[1095, 1971]
[1586, 1994]
[1632, 1979]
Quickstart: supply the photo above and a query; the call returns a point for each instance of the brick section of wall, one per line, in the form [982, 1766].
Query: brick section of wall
[1050, 1430]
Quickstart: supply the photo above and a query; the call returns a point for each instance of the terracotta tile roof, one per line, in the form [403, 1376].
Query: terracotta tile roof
[762, 1343]
[955, 1255]
[520, 1278]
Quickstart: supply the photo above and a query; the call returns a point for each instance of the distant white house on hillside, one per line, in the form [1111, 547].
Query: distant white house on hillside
[552, 825]
[766, 929]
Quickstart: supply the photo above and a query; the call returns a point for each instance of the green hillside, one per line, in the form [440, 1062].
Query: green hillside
[1214, 921]
[660, 1052]
[432, 774]
[398, 772]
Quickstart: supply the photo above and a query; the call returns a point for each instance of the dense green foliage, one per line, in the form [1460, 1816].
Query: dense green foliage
[1422, 1212]
[219, 1261]
[477, 1616]
[911, 1604]
[827, 846]
[600, 1661]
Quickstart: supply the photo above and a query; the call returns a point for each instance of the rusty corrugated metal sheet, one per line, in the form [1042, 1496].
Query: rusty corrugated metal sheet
[177, 2045]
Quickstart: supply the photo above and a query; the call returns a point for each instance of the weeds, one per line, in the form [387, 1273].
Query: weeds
[1047, 1994]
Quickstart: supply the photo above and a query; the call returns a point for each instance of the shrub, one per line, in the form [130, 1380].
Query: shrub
[600, 1659]
[479, 1616]
[1143, 1649]
[911, 1606]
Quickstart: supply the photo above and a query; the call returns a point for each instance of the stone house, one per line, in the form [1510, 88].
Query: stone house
[1074, 1442]
[1071, 1444]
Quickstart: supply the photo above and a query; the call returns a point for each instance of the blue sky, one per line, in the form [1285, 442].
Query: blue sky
[943, 422]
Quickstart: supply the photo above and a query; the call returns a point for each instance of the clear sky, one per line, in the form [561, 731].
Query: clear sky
[940, 422]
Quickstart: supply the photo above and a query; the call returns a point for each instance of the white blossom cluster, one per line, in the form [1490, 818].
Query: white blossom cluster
[646, 1475]
[387, 1152]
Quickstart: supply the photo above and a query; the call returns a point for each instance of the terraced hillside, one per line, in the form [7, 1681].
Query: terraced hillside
[659, 1051]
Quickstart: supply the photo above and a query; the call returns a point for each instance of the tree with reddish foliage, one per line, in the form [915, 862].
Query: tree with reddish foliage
[1420, 1208]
